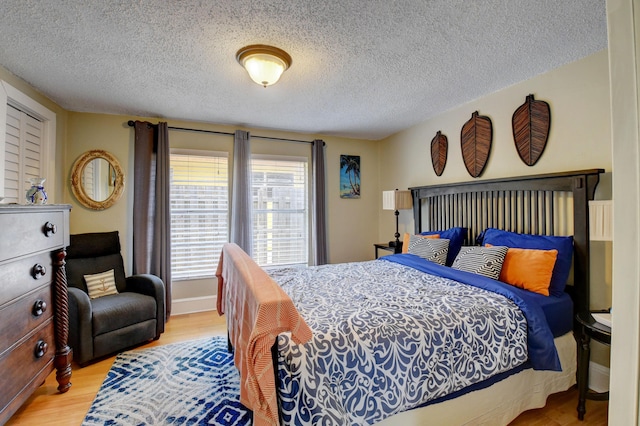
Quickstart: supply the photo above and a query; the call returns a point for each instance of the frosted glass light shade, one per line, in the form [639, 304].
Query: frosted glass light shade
[265, 64]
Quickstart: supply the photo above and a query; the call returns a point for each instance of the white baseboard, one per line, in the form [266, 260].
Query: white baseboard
[598, 377]
[193, 304]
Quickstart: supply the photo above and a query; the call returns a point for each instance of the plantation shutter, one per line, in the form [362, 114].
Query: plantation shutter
[88, 180]
[280, 210]
[199, 212]
[23, 154]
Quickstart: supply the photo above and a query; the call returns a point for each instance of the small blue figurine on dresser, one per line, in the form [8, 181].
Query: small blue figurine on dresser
[36, 194]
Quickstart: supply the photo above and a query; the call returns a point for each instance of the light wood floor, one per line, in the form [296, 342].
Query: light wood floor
[47, 406]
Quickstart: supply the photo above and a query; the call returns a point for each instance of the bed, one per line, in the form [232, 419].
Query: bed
[350, 351]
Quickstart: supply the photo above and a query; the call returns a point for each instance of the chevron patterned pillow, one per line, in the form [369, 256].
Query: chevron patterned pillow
[485, 261]
[434, 250]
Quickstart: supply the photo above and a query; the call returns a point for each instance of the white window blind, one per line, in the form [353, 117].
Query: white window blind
[199, 212]
[23, 154]
[280, 210]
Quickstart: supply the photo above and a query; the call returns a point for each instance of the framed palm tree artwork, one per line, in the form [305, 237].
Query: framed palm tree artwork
[349, 176]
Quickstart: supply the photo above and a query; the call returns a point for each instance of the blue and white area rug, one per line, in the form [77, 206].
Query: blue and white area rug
[190, 383]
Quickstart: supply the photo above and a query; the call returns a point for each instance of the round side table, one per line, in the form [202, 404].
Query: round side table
[589, 329]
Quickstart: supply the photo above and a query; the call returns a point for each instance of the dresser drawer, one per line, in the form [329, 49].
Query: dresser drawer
[24, 315]
[21, 365]
[24, 275]
[31, 240]
[40, 230]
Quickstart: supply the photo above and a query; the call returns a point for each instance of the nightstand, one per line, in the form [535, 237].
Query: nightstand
[589, 329]
[385, 246]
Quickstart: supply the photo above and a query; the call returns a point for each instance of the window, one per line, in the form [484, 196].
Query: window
[199, 212]
[27, 144]
[23, 153]
[280, 210]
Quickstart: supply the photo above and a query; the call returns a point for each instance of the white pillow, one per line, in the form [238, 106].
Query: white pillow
[434, 250]
[102, 284]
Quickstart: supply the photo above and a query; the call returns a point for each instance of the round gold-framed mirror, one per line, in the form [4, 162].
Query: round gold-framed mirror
[97, 180]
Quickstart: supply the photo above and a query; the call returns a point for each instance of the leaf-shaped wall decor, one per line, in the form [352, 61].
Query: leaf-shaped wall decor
[531, 123]
[475, 138]
[439, 147]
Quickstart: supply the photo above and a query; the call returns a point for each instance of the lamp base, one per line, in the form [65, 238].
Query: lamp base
[393, 243]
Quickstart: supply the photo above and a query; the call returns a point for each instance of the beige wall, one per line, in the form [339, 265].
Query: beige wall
[352, 225]
[579, 138]
[54, 189]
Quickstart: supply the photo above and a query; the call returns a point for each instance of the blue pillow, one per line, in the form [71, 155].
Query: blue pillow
[564, 245]
[456, 237]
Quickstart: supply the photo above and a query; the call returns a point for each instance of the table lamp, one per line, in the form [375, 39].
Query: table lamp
[396, 200]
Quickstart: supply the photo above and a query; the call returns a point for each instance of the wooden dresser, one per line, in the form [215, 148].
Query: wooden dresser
[34, 319]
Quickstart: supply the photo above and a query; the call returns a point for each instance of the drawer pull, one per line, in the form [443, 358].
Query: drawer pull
[50, 228]
[38, 271]
[39, 308]
[41, 349]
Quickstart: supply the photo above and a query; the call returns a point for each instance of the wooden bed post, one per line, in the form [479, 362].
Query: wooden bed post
[417, 211]
[583, 190]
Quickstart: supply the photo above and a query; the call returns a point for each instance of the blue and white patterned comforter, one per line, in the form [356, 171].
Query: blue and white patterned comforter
[388, 338]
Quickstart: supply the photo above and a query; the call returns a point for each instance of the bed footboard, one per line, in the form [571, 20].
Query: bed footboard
[257, 310]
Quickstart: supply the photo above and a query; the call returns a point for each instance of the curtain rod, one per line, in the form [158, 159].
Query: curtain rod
[131, 123]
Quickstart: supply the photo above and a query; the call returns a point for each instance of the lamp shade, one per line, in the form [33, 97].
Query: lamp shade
[265, 64]
[396, 200]
[601, 220]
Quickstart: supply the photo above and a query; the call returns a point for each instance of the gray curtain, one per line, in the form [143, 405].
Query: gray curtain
[318, 215]
[241, 200]
[151, 214]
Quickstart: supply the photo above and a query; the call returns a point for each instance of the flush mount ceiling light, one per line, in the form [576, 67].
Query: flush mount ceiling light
[265, 64]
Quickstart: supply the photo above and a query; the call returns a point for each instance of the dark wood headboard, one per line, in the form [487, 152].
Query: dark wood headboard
[537, 204]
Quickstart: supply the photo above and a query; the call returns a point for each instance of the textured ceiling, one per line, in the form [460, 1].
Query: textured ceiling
[361, 68]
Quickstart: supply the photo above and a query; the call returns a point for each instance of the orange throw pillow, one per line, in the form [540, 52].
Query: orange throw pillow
[405, 240]
[529, 269]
